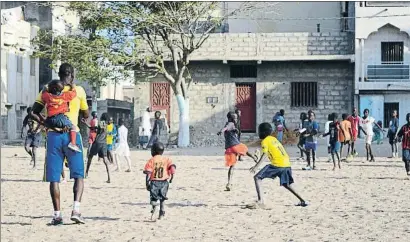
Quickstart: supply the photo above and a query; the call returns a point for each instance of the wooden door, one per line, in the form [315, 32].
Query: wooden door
[161, 98]
[246, 102]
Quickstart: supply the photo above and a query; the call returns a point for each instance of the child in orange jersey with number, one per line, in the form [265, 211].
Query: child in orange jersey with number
[158, 170]
[233, 147]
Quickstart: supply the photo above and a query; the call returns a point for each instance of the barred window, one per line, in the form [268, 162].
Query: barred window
[304, 94]
[243, 71]
[392, 52]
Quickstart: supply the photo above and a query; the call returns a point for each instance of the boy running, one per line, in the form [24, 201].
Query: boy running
[334, 143]
[233, 148]
[393, 128]
[404, 137]
[280, 165]
[158, 170]
[99, 147]
[366, 125]
[345, 136]
[354, 120]
[312, 130]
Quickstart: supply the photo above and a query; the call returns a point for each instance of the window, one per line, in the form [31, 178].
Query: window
[32, 66]
[388, 112]
[243, 71]
[19, 64]
[392, 52]
[304, 94]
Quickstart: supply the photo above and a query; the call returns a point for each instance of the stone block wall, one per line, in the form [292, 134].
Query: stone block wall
[212, 79]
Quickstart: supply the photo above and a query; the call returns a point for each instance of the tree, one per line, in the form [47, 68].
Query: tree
[152, 38]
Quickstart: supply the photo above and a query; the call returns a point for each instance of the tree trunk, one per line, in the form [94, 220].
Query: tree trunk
[183, 134]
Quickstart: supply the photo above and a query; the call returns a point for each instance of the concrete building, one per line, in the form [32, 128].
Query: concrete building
[19, 74]
[56, 18]
[382, 58]
[296, 69]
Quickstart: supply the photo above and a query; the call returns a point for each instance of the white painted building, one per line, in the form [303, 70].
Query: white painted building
[19, 75]
[382, 58]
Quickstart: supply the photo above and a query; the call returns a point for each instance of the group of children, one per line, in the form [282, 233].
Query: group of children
[160, 170]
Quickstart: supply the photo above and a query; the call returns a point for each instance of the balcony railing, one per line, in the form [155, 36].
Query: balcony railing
[388, 72]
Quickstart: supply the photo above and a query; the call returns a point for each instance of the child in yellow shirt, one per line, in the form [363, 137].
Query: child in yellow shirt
[280, 164]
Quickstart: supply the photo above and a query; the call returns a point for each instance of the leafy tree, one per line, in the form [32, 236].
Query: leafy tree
[151, 38]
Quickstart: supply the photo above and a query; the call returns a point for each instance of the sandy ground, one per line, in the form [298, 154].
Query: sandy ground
[362, 202]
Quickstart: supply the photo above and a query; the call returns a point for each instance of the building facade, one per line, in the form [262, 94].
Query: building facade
[382, 58]
[19, 75]
[260, 73]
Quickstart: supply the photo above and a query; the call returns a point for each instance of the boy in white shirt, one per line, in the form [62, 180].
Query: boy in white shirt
[366, 125]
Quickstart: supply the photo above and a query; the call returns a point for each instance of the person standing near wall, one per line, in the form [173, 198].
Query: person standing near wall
[393, 128]
[156, 130]
[238, 127]
[145, 135]
[279, 121]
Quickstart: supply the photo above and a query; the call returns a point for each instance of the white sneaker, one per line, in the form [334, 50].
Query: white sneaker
[74, 147]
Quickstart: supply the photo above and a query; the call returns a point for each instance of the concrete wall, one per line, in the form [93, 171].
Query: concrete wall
[380, 16]
[19, 88]
[212, 79]
[307, 15]
[274, 46]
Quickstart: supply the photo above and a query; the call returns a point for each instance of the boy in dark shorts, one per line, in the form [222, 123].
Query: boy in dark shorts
[300, 132]
[158, 170]
[280, 165]
[56, 102]
[312, 130]
[404, 136]
[99, 147]
[233, 147]
[334, 143]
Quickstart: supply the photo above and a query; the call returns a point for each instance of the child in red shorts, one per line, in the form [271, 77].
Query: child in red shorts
[233, 147]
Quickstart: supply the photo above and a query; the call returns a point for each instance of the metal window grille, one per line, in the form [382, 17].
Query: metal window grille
[392, 52]
[304, 94]
[243, 71]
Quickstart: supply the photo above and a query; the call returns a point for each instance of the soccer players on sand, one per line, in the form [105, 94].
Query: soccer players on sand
[354, 120]
[393, 128]
[334, 143]
[280, 165]
[233, 148]
[158, 170]
[99, 147]
[312, 129]
[404, 137]
[57, 148]
[345, 136]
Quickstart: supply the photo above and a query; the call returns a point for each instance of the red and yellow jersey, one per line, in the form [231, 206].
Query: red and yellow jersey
[275, 152]
[160, 168]
[57, 104]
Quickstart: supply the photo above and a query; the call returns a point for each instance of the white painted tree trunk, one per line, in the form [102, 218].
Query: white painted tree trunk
[183, 134]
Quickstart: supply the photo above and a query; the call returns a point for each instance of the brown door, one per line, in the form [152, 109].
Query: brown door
[246, 102]
[161, 98]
